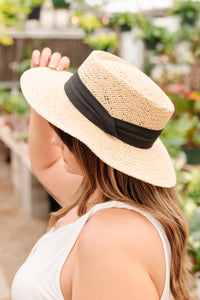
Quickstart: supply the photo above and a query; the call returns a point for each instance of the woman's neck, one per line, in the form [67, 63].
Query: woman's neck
[94, 199]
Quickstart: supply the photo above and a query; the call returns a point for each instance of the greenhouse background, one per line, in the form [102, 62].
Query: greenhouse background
[161, 38]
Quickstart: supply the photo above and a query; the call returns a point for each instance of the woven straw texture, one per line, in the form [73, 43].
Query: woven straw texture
[126, 93]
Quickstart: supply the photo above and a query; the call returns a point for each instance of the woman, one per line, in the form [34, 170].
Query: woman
[94, 145]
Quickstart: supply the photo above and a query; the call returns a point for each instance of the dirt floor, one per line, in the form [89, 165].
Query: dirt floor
[18, 232]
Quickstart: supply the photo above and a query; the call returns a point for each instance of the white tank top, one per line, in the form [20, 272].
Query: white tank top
[39, 277]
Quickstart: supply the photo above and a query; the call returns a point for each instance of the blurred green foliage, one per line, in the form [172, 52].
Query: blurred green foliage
[184, 128]
[187, 11]
[89, 23]
[61, 4]
[106, 42]
[12, 13]
[188, 188]
[183, 131]
[194, 238]
[125, 21]
[13, 103]
[156, 38]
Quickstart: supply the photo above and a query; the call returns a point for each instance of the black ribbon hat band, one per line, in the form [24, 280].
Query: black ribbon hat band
[88, 105]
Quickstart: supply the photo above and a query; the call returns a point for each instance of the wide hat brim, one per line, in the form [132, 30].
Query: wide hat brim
[44, 91]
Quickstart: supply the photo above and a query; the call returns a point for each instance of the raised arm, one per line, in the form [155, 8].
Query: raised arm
[45, 157]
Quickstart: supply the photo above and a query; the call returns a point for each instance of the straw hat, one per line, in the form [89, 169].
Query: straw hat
[113, 108]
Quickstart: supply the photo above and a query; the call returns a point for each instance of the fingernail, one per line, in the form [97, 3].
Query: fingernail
[52, 66]
[37, 63]
[43, 65]
[58, 68]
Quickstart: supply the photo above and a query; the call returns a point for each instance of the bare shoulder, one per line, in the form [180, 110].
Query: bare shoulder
[115, 251]
[120, 226]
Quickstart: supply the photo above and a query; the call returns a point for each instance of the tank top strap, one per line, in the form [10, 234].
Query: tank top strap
[159, 227]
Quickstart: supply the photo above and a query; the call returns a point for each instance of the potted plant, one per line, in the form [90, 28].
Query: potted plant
[105, 42]
[125, 21]
[13, 103]
[188, 14]
[15, 112]
[187, 11]
[183, 131]
[89, 23]
[61, 4]
[156, 38]
[35, 9]
[12, 14]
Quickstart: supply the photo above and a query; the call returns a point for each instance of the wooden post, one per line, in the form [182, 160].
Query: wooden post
[195, 75]
[29, 192]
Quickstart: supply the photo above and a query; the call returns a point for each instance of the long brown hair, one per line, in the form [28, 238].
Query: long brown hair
[160, 202]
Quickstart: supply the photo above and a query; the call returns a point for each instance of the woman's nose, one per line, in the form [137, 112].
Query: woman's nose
[57, 141]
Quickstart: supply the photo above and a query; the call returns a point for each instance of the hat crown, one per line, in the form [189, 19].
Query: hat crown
[124, 91]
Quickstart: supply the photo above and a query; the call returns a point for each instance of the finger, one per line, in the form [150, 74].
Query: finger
[45, 57]
[63, 64]
[35, 59]
[54, 61]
